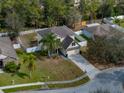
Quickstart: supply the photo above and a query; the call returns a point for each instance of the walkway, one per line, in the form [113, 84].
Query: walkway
[1, 91]
[84, 65]
[110, 80]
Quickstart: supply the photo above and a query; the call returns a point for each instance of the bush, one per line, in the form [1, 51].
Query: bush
[11, 67]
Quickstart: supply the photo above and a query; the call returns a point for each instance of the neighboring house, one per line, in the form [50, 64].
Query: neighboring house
[7, 52]
[98, 30]
[66, 36]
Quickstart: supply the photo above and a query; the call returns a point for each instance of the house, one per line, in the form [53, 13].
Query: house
[66, 36]
[7, 52]
[29, 41]
[98, 30]
[69, 46]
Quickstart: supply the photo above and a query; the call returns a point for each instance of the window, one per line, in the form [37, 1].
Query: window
[73, 44]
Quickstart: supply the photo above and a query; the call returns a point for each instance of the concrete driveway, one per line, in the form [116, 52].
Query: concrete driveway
[111, 80]
[1, 91]
[84, 65]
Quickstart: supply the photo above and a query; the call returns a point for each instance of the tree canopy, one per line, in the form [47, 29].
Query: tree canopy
[107, 49]
[18, 15]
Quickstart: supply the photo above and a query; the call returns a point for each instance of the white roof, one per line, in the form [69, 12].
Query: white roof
[94, 24]
[2, 57]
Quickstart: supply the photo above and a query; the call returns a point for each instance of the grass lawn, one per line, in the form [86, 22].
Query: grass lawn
[80, 82]
[22, 88]
[56, 69]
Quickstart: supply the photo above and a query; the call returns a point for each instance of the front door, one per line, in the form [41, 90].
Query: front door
[1, 64]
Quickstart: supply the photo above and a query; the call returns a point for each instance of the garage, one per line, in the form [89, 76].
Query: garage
[73, 52]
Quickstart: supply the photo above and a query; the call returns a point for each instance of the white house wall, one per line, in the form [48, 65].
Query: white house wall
[32, 49]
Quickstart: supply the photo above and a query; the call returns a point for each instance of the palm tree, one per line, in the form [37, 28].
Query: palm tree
[50, 43]
[29, 59]
[31, 63]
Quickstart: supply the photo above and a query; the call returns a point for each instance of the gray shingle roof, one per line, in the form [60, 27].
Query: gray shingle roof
[101, 30]
[66, 42]
[7, 48]
[44, 32]
[61, 31]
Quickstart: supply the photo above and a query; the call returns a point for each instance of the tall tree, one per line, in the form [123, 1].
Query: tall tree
[73, 17]
[30, 61]
[54, 12]
[50, 43]
[107, 8]
[14, 21]
[28, 10]
[89, 8]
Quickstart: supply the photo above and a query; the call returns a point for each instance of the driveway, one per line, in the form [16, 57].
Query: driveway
[84, 65]
[110, 80]
[1, 91]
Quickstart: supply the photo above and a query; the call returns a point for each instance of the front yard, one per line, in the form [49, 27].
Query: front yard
[47, 69]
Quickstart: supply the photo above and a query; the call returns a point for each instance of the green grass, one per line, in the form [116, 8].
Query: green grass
[74, 84]
[22, 89]
[56, 69]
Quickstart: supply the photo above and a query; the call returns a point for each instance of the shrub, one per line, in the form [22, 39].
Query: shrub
[11, 67]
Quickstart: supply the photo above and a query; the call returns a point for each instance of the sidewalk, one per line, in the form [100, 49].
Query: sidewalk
[1, 91]
[44, 83]
[84, 65]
